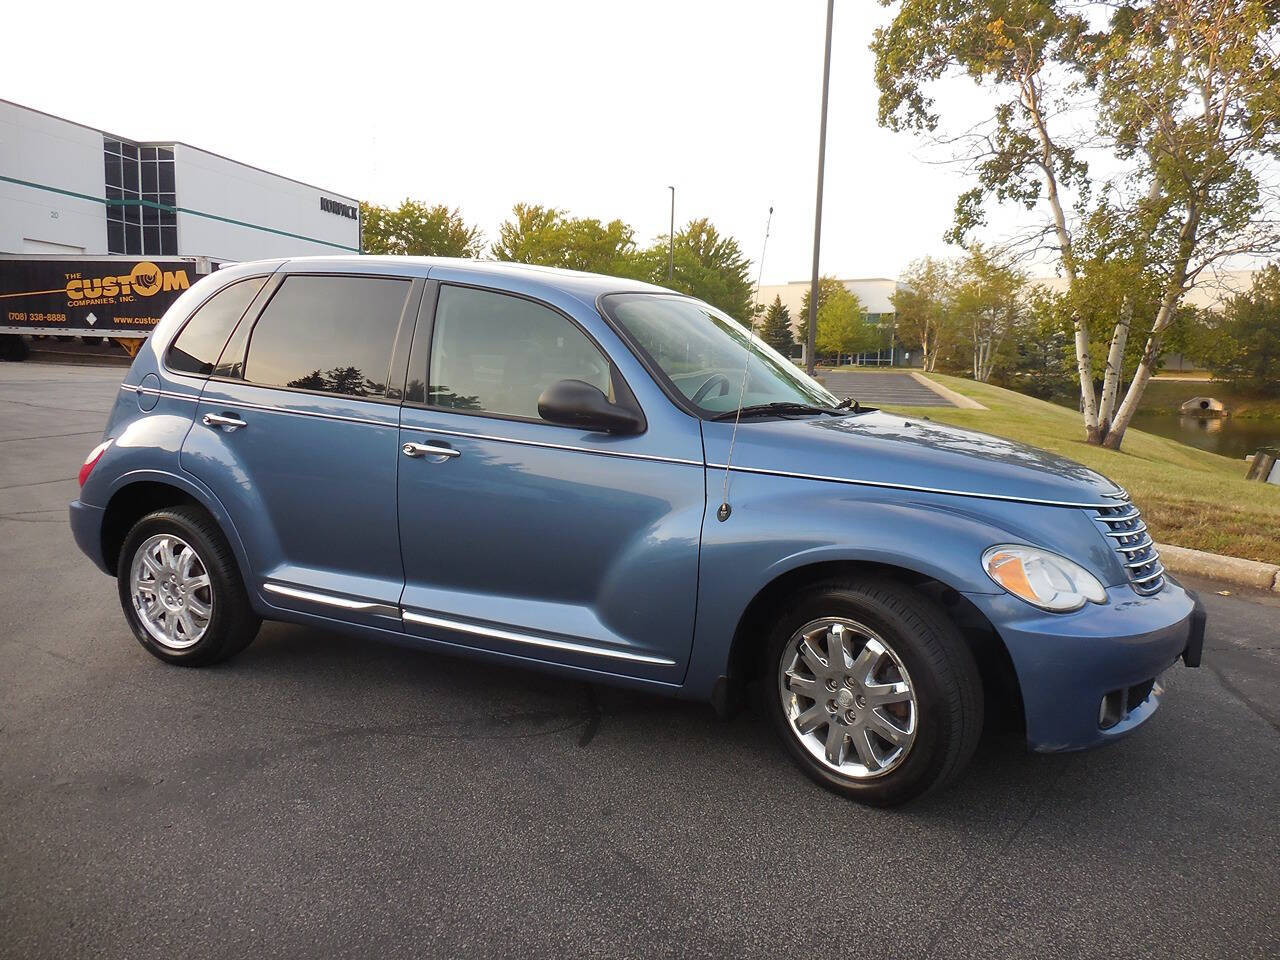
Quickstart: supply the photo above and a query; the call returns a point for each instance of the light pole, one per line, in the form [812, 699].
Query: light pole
[671, 239]
[811, 339]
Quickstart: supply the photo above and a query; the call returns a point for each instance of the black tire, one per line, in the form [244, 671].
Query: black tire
[942, 672]
[232, 624]
[13, 348]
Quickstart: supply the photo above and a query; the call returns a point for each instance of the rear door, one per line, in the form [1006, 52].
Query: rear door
[528, 538]
[297, 434]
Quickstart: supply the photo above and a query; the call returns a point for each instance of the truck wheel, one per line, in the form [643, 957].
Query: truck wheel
[13, 347]
[872, 690]
[181, 591]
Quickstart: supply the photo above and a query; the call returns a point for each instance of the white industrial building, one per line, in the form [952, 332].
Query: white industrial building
[875, 294]
[70, 189]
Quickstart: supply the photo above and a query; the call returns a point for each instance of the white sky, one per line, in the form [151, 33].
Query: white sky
[594, 107]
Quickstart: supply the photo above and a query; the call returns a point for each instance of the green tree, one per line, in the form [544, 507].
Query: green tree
[1188, 92]
[827, 288]
[776, 329]
[1041, 361]
[549, 237]
[1178, 98]
[989, 303]
[416, 229]
[1246, 347]
[707, 265]
[925, 309]
[842, 324]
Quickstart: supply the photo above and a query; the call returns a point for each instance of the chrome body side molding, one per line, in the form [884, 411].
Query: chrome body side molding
[427, 620]
[331, 600]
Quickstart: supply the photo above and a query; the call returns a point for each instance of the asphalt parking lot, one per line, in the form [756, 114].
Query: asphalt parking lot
[320, 796]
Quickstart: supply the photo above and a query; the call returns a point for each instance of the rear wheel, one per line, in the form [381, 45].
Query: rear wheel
[872, 690]
[181, 591]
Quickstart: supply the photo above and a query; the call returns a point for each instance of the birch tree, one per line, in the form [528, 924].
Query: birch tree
[1191, 90]
[989, 300]
[1182, 97]
[925, 308]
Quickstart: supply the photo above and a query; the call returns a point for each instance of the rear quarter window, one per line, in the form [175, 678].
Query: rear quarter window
[196, 347]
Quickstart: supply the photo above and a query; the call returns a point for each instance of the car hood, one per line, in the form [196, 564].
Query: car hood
[882, 449]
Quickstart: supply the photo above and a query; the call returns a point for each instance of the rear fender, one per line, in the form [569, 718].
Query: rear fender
[203, 496]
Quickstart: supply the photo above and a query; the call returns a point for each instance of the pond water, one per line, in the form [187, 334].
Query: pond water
[1227, 436]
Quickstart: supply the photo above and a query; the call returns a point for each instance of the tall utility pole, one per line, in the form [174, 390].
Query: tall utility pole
[811, 340]
[671, 239]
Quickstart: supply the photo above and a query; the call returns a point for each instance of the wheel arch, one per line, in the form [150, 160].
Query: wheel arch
[995, 666]
[142, 492]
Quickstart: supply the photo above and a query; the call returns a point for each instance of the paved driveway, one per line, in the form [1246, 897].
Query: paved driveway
[319, 796]
[882, 389]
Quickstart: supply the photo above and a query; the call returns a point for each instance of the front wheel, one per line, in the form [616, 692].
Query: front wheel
[873, 690]
[181, 590]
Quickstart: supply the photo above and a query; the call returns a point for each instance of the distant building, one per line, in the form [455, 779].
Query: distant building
[874, 293]
[70, 189]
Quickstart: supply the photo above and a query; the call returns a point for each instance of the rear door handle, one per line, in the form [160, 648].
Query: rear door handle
[222, 420]
[417, 450]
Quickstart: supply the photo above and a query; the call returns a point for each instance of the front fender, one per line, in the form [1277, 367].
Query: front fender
[782, 524]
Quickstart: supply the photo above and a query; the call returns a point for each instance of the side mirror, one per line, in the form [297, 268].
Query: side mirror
[573, 403]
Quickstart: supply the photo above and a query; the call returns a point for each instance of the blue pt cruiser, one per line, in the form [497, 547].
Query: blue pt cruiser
[609, 480]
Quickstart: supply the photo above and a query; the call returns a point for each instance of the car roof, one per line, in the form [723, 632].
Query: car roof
[586, 286]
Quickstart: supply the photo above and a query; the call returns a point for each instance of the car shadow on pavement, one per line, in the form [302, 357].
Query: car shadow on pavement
[344, 683]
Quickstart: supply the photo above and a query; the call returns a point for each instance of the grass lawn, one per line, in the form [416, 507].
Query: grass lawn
[1188, 497]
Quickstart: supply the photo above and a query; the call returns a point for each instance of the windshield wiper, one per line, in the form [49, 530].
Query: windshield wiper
[780, 408]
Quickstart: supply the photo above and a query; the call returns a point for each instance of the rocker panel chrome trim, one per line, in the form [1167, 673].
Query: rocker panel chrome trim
[329, 600]
[426, 620]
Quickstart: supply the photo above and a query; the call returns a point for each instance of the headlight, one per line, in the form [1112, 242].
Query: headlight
[1043, 579]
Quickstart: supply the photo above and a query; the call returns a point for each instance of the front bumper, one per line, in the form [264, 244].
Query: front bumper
[86, 529]
[1068, 663]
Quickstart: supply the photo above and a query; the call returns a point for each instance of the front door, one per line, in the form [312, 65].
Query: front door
[298, 437]
[531, 539]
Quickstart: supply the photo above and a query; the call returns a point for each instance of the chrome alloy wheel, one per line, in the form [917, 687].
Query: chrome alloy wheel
[170, 590]
[848, 698]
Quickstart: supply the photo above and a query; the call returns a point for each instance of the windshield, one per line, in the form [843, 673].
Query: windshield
[701, 353]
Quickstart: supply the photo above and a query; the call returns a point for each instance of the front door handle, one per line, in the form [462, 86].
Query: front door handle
[416, 450]
[221, 420]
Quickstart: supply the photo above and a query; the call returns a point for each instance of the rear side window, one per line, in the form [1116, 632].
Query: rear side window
[196, 347]
[494, 353]
[330, 334]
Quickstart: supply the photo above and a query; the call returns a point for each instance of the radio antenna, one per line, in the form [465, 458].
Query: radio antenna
[722, 514]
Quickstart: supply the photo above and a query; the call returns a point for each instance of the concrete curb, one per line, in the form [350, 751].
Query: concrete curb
[956, 399]
[1249, 573]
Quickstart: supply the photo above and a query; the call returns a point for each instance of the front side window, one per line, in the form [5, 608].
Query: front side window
[329, 334]
[494, 353]
[701, 353]
[195, 349]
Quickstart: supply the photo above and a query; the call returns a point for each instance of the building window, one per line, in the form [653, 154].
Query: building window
[141, 220]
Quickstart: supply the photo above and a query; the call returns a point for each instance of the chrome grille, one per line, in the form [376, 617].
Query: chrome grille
[1122, 525]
